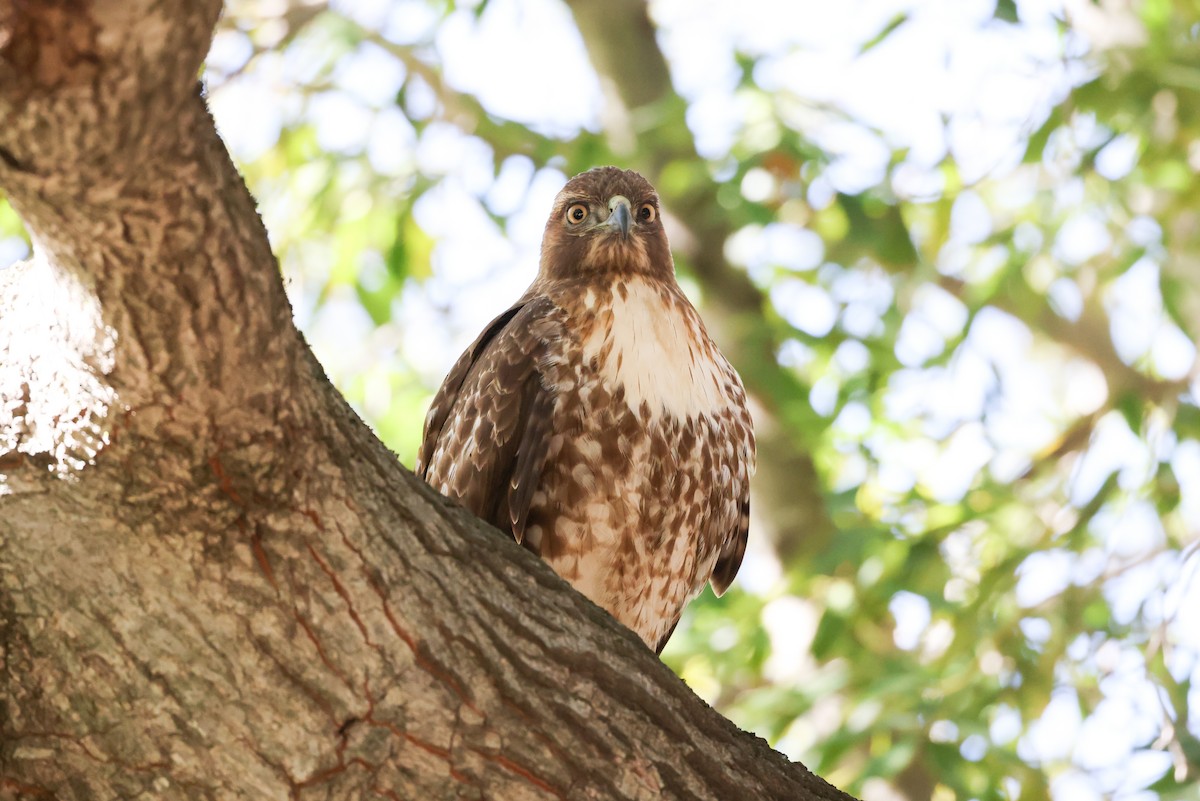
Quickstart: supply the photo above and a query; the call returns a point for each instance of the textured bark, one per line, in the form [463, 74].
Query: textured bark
[214, 581]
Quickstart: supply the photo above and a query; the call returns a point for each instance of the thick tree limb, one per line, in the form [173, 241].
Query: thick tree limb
[214, 581]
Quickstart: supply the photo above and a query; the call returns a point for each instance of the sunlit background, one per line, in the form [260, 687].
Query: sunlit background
[951, 245]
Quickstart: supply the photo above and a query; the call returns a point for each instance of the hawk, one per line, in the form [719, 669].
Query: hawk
[597, 422]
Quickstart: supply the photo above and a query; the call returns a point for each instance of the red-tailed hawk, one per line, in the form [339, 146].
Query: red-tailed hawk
[596, 420]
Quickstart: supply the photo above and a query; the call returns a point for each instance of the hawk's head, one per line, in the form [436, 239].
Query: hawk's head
[605, 223]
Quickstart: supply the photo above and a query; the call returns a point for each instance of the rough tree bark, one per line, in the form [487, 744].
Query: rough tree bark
[214, 581]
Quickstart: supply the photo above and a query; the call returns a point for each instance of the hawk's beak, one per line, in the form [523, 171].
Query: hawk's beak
[620, 216]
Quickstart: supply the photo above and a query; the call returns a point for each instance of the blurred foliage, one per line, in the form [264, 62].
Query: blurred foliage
[12, 233]
[991, 375]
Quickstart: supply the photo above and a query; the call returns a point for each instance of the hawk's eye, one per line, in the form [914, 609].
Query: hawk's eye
[577, 213]
[647, 212]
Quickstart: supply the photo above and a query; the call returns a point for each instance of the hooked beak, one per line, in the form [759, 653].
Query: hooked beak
[620, 216]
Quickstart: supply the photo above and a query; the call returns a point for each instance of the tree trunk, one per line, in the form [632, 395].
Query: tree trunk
[214, 581]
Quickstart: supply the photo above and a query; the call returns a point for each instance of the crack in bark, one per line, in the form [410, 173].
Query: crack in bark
[518, 770]
[344, 594]
[324, 657]
[444, 754]
[420, 657]
[260, 554]
[322, 703]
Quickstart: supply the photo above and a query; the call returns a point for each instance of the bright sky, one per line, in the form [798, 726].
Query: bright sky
[993, 83]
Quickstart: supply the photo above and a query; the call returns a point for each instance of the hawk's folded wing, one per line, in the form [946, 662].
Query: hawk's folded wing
[734, 548]
[488, 430]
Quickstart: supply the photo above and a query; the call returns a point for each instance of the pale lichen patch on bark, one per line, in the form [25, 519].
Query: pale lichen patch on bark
[55, 398]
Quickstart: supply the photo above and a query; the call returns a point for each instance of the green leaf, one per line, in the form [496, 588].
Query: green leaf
[884, 32]
[1006, 11]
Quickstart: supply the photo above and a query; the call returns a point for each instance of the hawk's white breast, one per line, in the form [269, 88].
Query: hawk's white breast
[658, 352]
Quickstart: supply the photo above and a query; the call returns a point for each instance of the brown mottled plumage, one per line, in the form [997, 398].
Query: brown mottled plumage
[597, 421]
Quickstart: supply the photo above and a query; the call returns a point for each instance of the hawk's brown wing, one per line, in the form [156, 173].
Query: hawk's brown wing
[739, 433]
[734, 548]
[488, 430]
